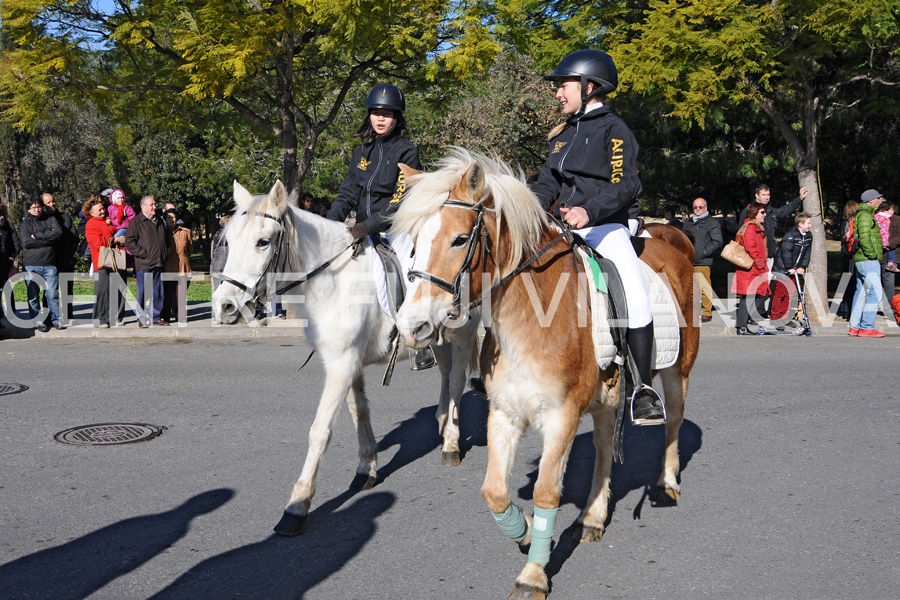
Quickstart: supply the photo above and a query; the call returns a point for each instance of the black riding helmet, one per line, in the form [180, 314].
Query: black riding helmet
[588, 65]
[386, 95]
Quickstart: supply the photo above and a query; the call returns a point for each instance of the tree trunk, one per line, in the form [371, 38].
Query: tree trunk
[817, 274]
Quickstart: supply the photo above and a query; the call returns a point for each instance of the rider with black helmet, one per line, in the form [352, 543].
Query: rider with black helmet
[591, 176]
[373, 179]
[374, 183]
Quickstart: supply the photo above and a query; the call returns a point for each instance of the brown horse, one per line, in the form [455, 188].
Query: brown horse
[474, 223]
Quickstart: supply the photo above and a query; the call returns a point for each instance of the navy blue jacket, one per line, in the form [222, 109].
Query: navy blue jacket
[592, 164]
[374, 181]
[40, 236]
[793, 252]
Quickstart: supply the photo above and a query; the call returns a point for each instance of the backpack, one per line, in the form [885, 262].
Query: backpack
[849, 243]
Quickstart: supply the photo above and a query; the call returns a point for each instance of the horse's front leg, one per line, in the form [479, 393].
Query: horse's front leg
[504, 434]
[559, 426]
[366, 472]
[338, 379]
[675, 386]
[453, 359]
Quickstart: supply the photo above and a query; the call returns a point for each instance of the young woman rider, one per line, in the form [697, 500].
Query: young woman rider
[374, 184]
[591, 176]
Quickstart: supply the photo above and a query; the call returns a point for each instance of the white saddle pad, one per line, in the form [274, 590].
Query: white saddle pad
[665, 321]
[402, 245]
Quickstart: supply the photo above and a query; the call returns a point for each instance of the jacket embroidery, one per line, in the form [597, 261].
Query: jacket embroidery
[558, 147]
[401, 187]
[618, 159]
[363, 163]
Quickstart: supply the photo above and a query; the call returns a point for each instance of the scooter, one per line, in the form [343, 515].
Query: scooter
[805, 329]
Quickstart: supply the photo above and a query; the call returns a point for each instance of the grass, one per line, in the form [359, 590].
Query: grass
[198, 291]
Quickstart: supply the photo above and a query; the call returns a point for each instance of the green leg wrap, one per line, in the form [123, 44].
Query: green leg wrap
[541, 534]
[512, 523]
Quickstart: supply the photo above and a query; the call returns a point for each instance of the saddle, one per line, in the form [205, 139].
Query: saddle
[609, 310]
[390, 285]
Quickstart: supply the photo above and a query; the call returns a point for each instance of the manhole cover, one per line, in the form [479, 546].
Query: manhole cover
[108, 434]
[12, 388]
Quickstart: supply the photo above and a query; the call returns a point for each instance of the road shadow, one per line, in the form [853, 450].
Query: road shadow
[280, 567]
[418, 436]
[81, 567]
[643, 465]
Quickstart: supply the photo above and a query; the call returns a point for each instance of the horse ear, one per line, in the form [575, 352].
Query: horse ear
[408, 171]
[241, 196]
[278, 196]
[474, 183]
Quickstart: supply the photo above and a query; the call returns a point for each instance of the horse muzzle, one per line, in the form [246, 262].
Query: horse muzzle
[228, 305]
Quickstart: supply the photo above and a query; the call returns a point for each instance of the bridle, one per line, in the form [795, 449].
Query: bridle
[478, 231]
[275, 264]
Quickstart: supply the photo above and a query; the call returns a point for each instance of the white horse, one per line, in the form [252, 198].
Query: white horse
[346, 326]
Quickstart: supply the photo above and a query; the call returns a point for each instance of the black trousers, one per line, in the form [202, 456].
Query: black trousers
[743, 308]
[102, 315]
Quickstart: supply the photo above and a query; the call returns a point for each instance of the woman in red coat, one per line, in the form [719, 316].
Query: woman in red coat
[751, 284]
[98, 232]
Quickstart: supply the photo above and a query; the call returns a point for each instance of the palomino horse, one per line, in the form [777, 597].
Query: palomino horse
[345, 324]
[473, 216]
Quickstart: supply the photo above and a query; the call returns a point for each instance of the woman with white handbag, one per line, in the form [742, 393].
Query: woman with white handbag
[107, 258]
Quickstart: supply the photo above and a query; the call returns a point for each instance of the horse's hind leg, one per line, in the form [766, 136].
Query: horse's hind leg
[338, 380]
[366, 474]
[675, 386]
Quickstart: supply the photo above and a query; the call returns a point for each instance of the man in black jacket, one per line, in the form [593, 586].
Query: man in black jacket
[65, 251]
[40, 233]
[706, 234]
[148, 241]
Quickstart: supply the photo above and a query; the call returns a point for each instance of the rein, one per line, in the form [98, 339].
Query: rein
[274, 263]
[478, 231]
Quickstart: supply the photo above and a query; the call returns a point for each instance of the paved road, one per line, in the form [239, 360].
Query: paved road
[789, 457]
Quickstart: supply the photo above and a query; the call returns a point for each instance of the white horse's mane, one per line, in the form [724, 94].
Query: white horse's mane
[513, 201]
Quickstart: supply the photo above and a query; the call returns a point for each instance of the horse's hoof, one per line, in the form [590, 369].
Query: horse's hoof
[527, 592]
[290, 524]
[588, 534]
[362, 482]
[666, 496]
[450, 459]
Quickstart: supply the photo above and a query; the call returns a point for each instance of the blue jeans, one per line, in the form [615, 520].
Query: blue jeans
[867, 297]
[156, 294]
[51, 291]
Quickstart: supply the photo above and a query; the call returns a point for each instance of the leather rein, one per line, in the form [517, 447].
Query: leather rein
[275, 263]
[478, 231]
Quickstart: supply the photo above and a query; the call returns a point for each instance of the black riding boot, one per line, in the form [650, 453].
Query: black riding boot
[646, 405]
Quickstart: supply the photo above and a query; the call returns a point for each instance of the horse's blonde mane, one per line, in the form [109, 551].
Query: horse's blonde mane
[514, 204]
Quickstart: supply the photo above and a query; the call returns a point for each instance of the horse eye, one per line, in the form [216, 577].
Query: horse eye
[262, 243]
[460, 240]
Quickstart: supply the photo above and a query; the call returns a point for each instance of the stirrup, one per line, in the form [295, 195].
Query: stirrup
[421, 359]
[651, 416]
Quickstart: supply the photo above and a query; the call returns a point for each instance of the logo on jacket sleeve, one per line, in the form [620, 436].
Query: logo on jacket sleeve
[363, 163]
[558, 147]
[618, 159]
[401, 187]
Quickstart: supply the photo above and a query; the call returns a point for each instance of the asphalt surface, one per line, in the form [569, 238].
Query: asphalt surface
[789, 489]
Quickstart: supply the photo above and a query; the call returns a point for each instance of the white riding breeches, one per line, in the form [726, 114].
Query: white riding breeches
[613, 241]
